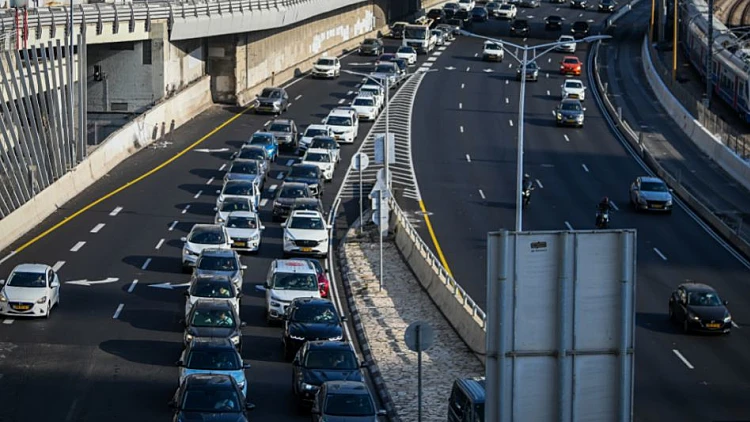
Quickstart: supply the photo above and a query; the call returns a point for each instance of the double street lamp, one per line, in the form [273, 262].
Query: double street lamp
[524, 61]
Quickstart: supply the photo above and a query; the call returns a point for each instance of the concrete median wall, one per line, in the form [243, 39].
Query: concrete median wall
[155, 123]
[712, 146]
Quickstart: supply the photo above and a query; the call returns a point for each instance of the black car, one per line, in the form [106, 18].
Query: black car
[213, 356]
[212, 397]
[479, 14]
[272, 100]
[349, 398]
[531, 4]
[371, 47]
[520, 28]
[531, 72]
[285, 197]
[607, 5]
[308, 174]
[578, 4]
[307, 319]
[213, 319]
[308, 204]
[397, 30]
[385, 58]
[580, 29]
[557, 1]
[457, 24]
[321, 361]
[465, 17]
[492, 9]
[697, 307]
[450, 9]
[553, 23]
[437, 16]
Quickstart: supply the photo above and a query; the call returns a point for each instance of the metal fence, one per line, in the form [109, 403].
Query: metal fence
[728, 134]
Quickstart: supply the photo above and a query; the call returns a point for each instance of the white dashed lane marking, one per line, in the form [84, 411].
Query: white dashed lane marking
[145, 264]
[8, 321]
[58, 265]
[481, 194]
[468, 158]
[585, 168]
[132, 286]
[171, 227]
[461, 129]
[187, 207]
[507, 100]
[510, 122]
[223, 166]
[280, 175]
[462, 86]
[211, 180]
[77, 247]
[197, 195]
[460, 106]
[661, 255]
[539, 184]
[97, 228]
[682, 358]
[566, 138]
[115, 211]
[118, 311]
[468, 68]
[614, 206]
[289, 163]
[158, 245]
[263, 202]
[568, 226]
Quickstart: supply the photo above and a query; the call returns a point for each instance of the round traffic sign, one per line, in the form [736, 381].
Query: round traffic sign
[360, 161]
[419, 336]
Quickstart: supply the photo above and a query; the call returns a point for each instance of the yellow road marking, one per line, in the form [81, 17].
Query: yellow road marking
[132, 182]
[434, 238]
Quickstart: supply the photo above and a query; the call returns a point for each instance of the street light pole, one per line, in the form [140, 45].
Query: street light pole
[387, 132]
[519, 167]
[709, 56]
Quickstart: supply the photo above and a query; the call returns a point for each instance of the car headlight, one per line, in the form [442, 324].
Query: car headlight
[277, 103]
[336, 338]
[669, 202]
[275, 304]
[241, 384]
[3, 298]
[307, 387]
[559, 115]
[235, 339]
[728, 318]
[220, 220]
[693, 316]
[188, 338]
[641, 201]
[256, 236]
[42, 299]
[293, 337]
[579, 117]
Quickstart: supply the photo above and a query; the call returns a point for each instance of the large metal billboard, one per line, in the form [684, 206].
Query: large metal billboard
[560, 326]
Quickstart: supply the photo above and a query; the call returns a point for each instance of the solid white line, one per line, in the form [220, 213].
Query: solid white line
[540, 184]
[58, 265]
[211, 180]
[145, 264]
[682, 358]
[568, 226]
[341, 101]
[77, 246]
[481, 194]
[115, 211]
[263, 202]
[132, 286]
[198, 194]
[171, 227]
[507, 101]
[187, 207]
[462, 86]
[298, 97]
[460, 106]
[289, 163]
[468, 158]
[8, 321]
[585, 168]
[510, 122]
[461, 128]
[614, 205]
[272, 188]
[661, 255]
[468, 68]
[222, 167]
[118, 311]
[97, 228]
[280, 175]
[7, 257]
[161, 242]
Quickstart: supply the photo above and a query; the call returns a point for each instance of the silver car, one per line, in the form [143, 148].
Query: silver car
[570, 112]
[285, 131]
[222, 262]
[254, 152]
[387, 71]
[439, 36]
[231, 205]
[250, 170]
[447, 31]
[652, 194]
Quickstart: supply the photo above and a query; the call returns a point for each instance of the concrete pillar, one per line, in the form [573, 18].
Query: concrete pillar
[221, 62]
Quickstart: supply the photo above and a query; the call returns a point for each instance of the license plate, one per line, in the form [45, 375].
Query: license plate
[22, 307]
[658, 206]
[572, 95]
[337, 137]
[240, 244]
[717, 325]
[306, 249]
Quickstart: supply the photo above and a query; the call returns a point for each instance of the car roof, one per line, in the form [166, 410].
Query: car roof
[572, 80]
[243, 161]
[242, 214]
[323, 138]
[340, 112]
[229, 253]
[206, 227]
[205, 380]
[651, 179]
[306, 213]
[273, 89]
[329, 345]
[316, 126]
[697, 287]
[31, 268]
[318, 151]
[294, 266]
[571, 57]
[570, 100]
[347, 387]
[213, 304]
[204, 343]
[238, 182]
[311, 301]
[293, 185]
[210, 277]
[282, 121]
[566, 37]
[365, 94]
[311, 200]
[264, 134]
[305, 166]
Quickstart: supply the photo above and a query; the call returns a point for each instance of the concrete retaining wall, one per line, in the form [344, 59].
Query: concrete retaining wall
[137, 134]
[738, 168]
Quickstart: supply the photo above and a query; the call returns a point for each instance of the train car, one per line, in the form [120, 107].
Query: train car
[730, 64]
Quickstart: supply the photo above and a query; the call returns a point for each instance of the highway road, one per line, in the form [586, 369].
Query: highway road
[108, 352]
[464, 151]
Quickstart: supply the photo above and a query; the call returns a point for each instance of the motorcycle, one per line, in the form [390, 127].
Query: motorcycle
[602, 219]
[526, 196]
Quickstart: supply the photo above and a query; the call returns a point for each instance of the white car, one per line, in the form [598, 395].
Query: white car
[466, 5]
[245, 229]
[212, 288]
[287, 280]
[230, 205]
[376, 90]
[30, 290]
[306, 233]
[493, 51]
[439, 36]
[569, 45]
[326, 67]
[344, 124]
[203, 236]
[312, 131]
[573, 88]
[328, 144]
[507, 11]
[239, 189]
[366, 106]
[323, 159]
[407, 53]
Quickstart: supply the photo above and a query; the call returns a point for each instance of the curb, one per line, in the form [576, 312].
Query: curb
[372, 367]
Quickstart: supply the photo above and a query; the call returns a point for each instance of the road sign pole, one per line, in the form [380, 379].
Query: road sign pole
[361, 220]
[419, 374]
[381, 210]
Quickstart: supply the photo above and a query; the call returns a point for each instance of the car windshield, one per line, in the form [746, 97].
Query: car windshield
[570, 106]
[211, 401]
[571, 61]
[292, 192]
[318, 157]
[330, 359]
[370, 41]
[307, 206]
[219, 289]
[23, 279]
[213, 360]
[349, 405]
[248, 167]
[280, 127]
[520, 24]
[464, 1]
[580, 25]
[326, 62]
[252, 154]
[326, 143]
[573, 85]
[239, 189]
[384, 68]
[212, 318]
[315, 314]
[261, 140]
[312, 132]
[339, 121]
[307, 223]
[531, 66]
[367, 102]
[554, 19]
[229, 206]
[242, 223]
[415, 33]
[654, 187]
[506, 7]
[207, 237]
[270, 93]
[405, 49]
[375, 91]
[309, 172]
[704, 299]
[294, 281]
[217, 263]
[566, 38]
[492, 46]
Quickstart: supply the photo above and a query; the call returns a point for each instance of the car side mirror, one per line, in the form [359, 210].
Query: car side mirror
[262, 228]
[249, 406]
[183, 239]
[179, 363]
[244, 267]
[382, 412]
[243, 324]
[267, 284]
[363, 364]
[283, 224]
[726, 302]
[343, 318]
[246, 365]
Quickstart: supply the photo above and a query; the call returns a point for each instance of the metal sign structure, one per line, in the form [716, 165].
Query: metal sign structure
[560, 326]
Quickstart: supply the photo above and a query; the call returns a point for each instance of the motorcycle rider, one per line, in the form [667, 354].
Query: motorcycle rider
[602, 209]
[528, 186]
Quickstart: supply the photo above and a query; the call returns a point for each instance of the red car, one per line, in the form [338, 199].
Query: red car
[324, 285]
[571, 65]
